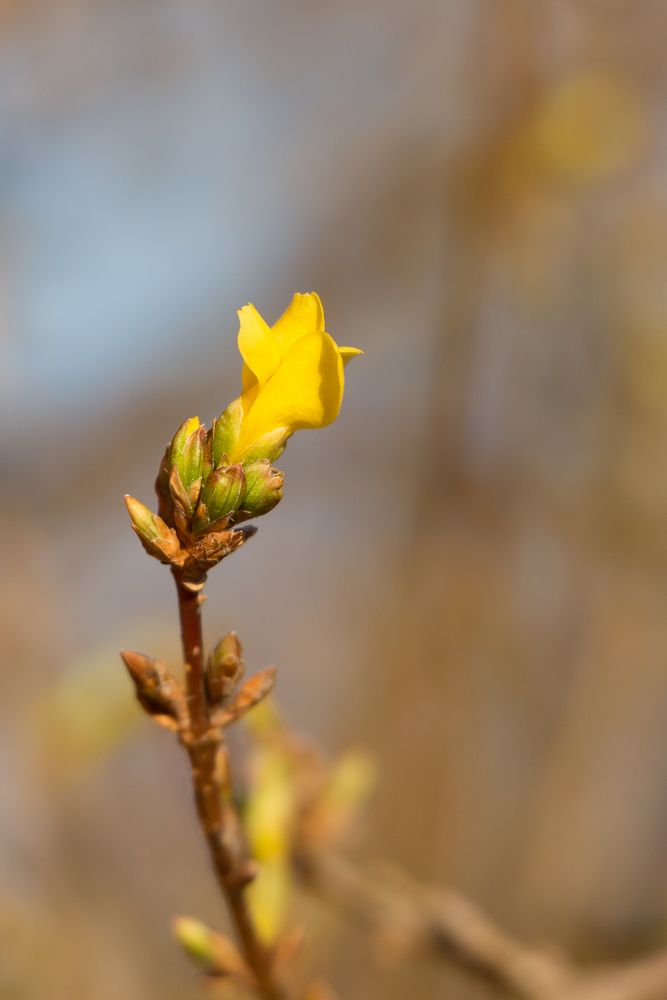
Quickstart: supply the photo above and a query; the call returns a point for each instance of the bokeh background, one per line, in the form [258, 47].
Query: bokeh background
[468, 574]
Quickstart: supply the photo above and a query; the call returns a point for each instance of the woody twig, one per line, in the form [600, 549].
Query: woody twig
[209, 482]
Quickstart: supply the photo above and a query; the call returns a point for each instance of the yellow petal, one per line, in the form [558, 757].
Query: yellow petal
[269, 899]
[259, 348]
[347, 353]
[304, 315]
[248, 378]
[305, 392]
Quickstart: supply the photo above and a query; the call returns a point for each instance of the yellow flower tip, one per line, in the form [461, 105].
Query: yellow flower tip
[347, 353]
[191, 424]
[304, 315]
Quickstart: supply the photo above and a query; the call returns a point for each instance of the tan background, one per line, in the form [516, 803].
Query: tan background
[468, 574]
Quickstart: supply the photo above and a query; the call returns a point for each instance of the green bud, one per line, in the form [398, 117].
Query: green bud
[224, 669]
[226, 430]
[264, 488]
[270, 446]
[157, 538]
[195, 938]
[211, 951]
[187, 451]
[222, 493]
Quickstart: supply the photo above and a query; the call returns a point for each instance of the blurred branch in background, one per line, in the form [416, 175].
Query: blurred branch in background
[410, 919]
[307, 811]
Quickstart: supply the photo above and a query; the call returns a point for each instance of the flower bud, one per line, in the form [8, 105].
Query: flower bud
[264, 488]
[226, 430]
[157, 538]
[187, 451]
[222, 493]
[224, 669]
[270, 446]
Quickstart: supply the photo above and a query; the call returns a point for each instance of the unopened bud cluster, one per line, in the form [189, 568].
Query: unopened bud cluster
[202, 496]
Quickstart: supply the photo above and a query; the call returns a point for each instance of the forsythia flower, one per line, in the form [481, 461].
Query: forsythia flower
[292, 378]
[209, 481]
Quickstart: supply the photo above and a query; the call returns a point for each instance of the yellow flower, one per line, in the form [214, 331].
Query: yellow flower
[292, 374]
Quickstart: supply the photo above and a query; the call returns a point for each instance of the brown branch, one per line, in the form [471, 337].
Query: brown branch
[204, 743]
[440, 922]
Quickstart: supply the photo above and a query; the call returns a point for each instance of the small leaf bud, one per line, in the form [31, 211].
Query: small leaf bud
[159, 694]
[255, 690]
[143, 519]
[224, 669]
[157, 538]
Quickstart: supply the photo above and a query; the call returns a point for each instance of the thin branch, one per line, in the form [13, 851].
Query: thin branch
[204, 743]
[444, 924]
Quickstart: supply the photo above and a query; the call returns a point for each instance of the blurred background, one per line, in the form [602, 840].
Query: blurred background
[468, 574]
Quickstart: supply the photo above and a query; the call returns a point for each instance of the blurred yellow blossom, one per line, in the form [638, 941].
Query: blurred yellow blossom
[269, 820]
[590, 126]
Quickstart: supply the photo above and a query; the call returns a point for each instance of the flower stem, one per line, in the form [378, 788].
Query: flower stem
[204, 744]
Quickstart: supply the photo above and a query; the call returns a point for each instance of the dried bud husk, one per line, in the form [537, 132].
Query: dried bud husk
[183, 502]
[226, 431]
[264, 489]
[165, 504]
[270, 446]
[255, 689]
[187, 452]
[159, 540]
[224, 669]
[208, 550]
[212, 951]
[158, 693]
[222, 494]
[207, 457]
